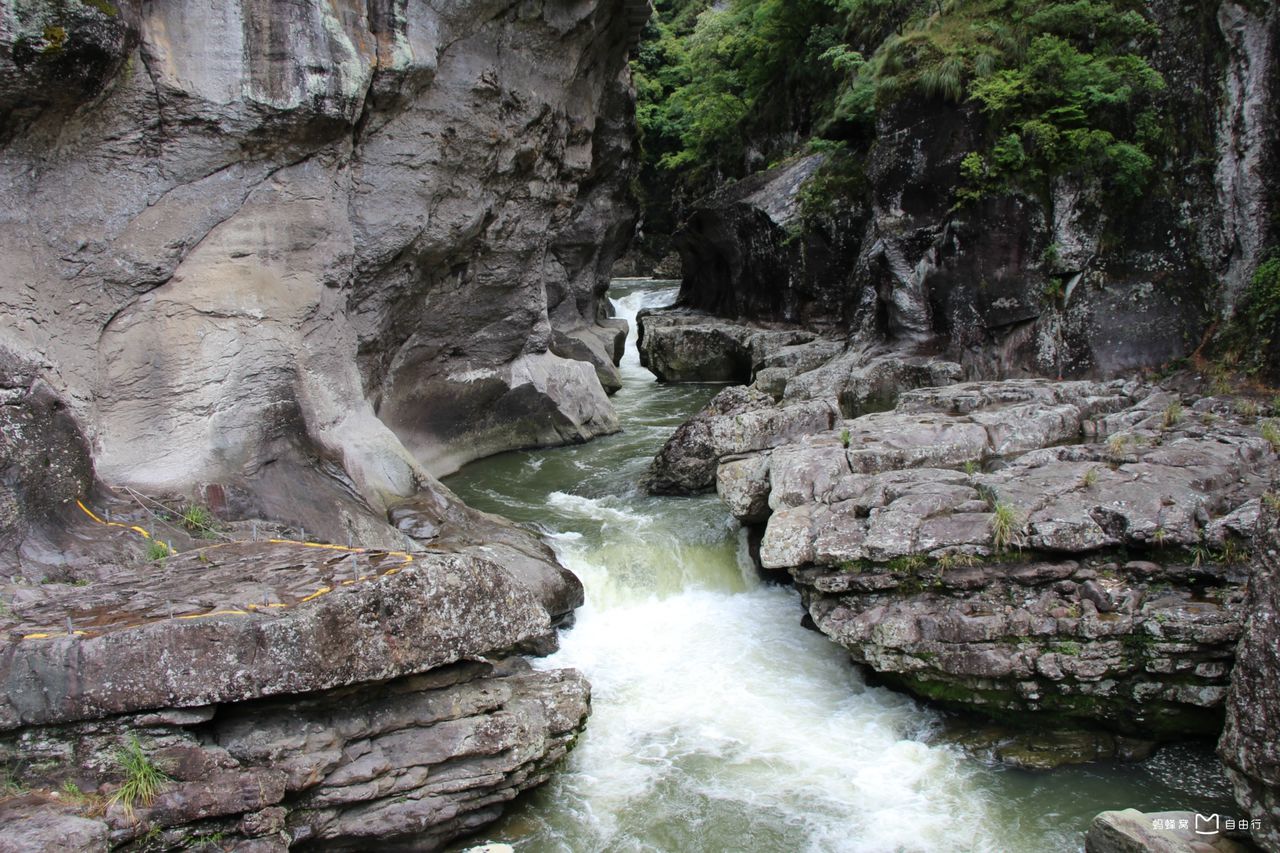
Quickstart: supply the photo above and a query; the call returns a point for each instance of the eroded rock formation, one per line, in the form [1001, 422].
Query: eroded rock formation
[366, 240]
[288, 262]
[1068, 552]
[289, 694]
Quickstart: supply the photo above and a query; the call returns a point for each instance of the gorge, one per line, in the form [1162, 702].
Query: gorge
[348, 501]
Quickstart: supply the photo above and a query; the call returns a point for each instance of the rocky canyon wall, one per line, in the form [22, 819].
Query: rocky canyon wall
[1064, 282]
[311, 255]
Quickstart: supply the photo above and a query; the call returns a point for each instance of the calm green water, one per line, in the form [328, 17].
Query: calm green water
[719, 724]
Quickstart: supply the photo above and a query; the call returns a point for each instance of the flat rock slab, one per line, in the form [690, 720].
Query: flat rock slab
[247, 620]
[965, 545]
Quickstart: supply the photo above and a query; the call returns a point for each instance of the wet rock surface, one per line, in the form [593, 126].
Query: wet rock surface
[1250, 744]
[1067, 552]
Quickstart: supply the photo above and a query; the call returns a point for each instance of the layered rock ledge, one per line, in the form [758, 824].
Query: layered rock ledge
[1067, 552]
[1249, 747]
[290, 694]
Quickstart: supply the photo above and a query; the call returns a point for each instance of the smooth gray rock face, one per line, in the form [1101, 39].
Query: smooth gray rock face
[365, 240]
[1250, 744]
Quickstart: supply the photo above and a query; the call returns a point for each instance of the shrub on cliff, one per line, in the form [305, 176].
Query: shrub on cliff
[1062, 84]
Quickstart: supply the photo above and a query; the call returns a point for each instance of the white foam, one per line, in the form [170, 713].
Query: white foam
[597, 509]
[717, 697]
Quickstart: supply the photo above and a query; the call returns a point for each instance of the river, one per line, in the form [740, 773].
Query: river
[718, 722]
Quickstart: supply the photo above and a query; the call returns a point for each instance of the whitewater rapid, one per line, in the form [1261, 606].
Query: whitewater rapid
[718, 722]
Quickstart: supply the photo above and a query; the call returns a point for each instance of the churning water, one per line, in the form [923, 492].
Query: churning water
[718, 722]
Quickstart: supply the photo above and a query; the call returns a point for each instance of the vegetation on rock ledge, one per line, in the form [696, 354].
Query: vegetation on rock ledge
[1063, 85]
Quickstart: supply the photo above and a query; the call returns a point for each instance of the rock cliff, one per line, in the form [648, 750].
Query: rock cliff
[1248, 746]
[368, 240]
[269, 269]
[889, 242]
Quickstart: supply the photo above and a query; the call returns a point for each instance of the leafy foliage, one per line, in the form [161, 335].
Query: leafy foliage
[1062, 84]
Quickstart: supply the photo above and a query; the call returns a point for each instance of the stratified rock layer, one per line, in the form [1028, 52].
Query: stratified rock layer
[1250, 744]
[409, 763]
[292, 694]
[1064, 551]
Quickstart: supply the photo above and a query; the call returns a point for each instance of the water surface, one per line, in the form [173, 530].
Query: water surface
[718, 722]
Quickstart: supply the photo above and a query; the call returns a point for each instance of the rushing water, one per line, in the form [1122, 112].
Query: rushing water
[718, 722]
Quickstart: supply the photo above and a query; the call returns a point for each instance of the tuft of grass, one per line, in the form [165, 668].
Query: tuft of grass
[158, 551]
[11, 785]
[199, 520]
[1005, 524]
[142, 778]
[1119, 445]
[1246, 409]
[958, 559]
[1089, 479]
[844, 438]
[1271, 432]
[1233, 552]
[909, 564]
[971, 467]
[1172, 414]
[1272, 501]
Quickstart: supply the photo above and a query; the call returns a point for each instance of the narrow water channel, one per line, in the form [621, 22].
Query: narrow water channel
[719, 723]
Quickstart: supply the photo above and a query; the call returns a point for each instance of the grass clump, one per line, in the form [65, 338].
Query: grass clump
[1005, 527]
[157, 551]
[1172, 415]
[844, 438]
[199, 520]
[1271, 432]
[143, 780]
